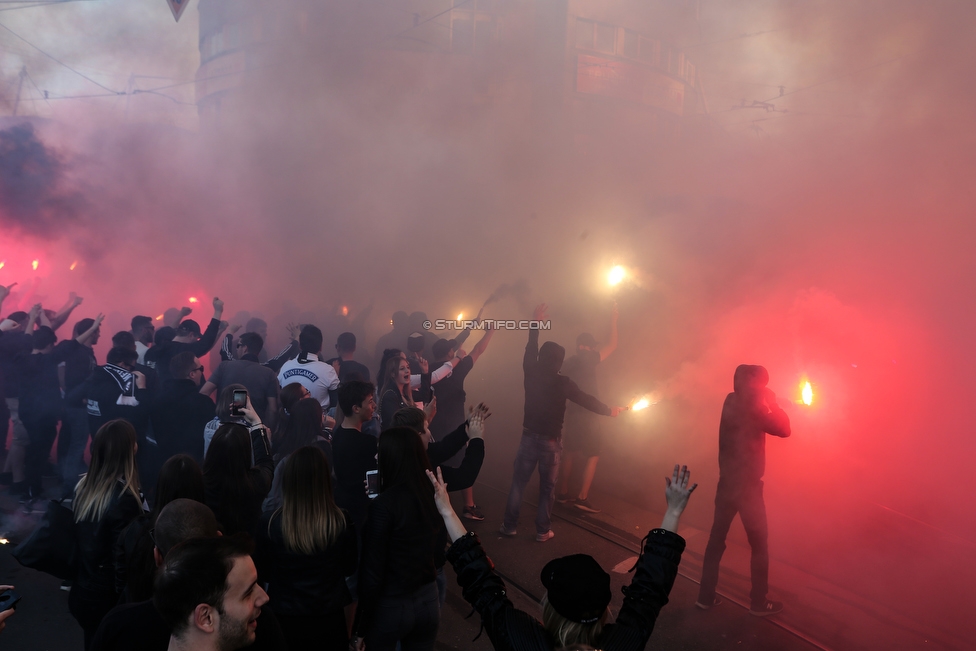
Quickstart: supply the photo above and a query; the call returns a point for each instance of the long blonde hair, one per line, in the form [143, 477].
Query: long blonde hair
[113, 459]
[566, 632]
[310, 520]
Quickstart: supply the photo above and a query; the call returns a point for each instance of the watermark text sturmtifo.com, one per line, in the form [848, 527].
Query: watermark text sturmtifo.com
[485, 324]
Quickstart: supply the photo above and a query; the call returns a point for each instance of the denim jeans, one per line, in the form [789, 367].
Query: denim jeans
[411, 620]
[747, 501]
[546, 452]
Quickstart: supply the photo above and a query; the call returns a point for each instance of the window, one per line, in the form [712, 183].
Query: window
[584, 34]
[631, 44]
[605, 38]
[462, 34]
[471, 32]
[649, 50]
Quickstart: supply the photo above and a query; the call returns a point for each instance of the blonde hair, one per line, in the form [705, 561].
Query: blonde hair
[113, 459]
[310, 520]
[568, 633]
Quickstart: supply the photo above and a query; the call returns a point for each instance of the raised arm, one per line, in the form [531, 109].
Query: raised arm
[776, 422]
[172, 317]
[32, 317]
[73, 301]
[4, 293]
[86, 336]
[586, 401]
[482, 345]
[531, 357]
[612, 344]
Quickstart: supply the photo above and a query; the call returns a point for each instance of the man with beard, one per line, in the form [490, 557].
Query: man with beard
[180, 412]
[143, 332]
[139, 625]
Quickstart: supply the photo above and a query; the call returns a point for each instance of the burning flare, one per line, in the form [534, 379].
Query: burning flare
[643, 403]
[460, 316]
[193, 299]
[159, 318]
[345, 310]
[73, 265]
[807, 393]
[616, 275]
[34, 264]
[2, 262]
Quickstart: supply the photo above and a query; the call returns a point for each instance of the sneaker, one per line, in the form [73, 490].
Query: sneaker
[543, 537]
[715, 601]
[584, 505]
[766, 609]
[66, 586]
[505, 532]
[473, 513]
[562, 498]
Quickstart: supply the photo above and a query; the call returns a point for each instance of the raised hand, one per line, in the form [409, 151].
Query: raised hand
[218, 306]
[185, 311]
[430, 409]
[441, 498]
[424, 366]
[677, 491]
[293, 330]
[476, 421]
[541, 312]
[614, 411]
[75, 299]
[234, 328]
[5, 291]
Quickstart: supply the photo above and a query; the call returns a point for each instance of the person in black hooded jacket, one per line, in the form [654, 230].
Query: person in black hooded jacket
[575, 608]
[187, 337]
[180, 412]
[546, 393]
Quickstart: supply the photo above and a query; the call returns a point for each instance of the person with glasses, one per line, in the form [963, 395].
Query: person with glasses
[260, 381]
[180, 412]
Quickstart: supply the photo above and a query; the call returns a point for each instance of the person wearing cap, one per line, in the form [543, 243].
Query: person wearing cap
[188, 338]
[575, 608]
[450, 402]
[749, 413]
[583, 430]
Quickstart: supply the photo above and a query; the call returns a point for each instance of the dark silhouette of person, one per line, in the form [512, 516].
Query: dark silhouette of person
[749, 413]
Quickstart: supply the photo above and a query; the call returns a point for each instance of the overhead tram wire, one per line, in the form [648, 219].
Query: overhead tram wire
[61, 63]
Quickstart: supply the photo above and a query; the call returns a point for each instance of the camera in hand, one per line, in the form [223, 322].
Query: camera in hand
[372, 483]
[239, 401]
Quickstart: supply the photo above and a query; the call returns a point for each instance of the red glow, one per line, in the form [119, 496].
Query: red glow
[34, 264]
[2, 262]
[806, 393]
[193, 299]
[345, 311]
[73, 265]
[159, 318]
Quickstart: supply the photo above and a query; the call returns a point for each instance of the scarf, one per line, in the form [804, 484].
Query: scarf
[126, 382]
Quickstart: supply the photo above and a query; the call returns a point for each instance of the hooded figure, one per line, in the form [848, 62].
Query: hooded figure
[546, 393]
[749, 413]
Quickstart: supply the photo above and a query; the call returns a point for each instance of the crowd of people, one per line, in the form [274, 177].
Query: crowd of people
[235, 510]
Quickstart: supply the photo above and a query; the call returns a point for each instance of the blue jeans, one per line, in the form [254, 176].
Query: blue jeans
[546, 452]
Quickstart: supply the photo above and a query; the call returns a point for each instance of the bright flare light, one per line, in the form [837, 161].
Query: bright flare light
[2, 262]
[643, 403]
[345, 310]
[616, 275]
[4, 541]
[807, 394]
[73, 265]
[34, 264]
[159, 318]
[193, 299]
[460, 316]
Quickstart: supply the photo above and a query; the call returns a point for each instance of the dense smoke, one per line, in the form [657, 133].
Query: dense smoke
[813, 216]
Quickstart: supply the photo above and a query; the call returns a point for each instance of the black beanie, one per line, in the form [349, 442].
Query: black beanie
[578, 588]
[415, 342]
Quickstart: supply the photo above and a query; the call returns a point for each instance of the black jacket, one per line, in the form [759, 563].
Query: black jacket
[466, 474]
[40, 389]
[546, 393]
[403, 547]
[95, 543]
[354, 453]
[103, 392]
[511, 629]
[301, 584]
[742, 439]
[159, 357]
[179, 415]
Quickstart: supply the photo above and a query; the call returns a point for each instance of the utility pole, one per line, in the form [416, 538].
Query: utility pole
[20, 86]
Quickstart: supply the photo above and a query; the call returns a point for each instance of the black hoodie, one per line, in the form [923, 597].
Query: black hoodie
[546, 391]
[179, 415]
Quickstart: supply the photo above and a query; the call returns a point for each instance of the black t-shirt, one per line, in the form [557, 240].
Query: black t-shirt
[11, 344]
[450, 400]
[140, 626]
[78, 367]
[354, 453]
[581, 368]
[350, 370]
